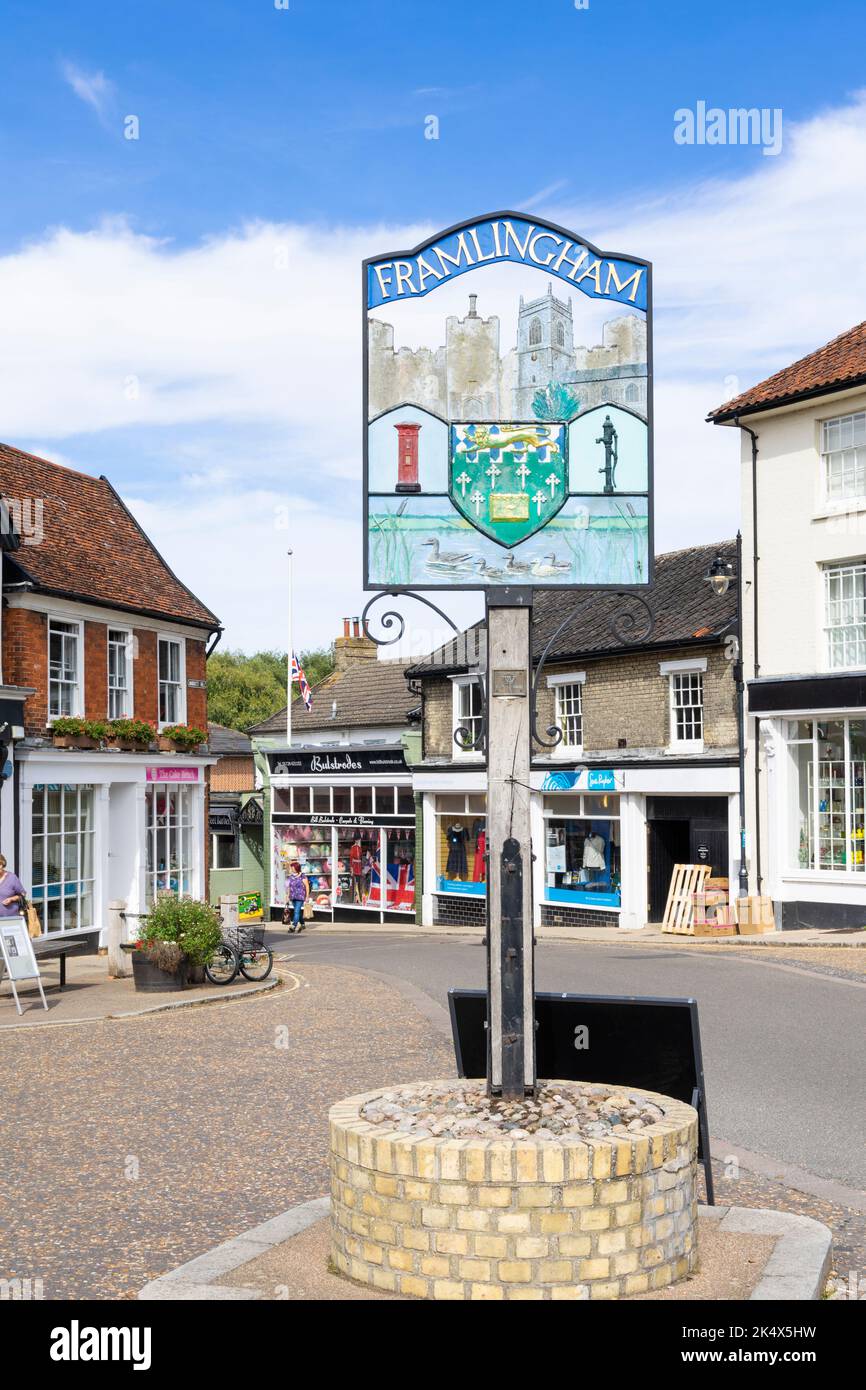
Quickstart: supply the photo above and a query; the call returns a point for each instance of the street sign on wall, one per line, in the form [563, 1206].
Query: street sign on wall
[507, 411]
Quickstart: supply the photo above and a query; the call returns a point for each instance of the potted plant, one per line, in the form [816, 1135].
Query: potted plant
[72, 732]
[176, 940]
[181, 738]
[130, 735]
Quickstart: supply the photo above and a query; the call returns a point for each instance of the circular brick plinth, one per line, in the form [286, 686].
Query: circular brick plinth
[514, 1218]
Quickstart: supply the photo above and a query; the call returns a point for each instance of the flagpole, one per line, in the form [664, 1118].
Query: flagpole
[289, 663]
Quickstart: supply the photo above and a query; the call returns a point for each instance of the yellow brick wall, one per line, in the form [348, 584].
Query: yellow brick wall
[522, 1219]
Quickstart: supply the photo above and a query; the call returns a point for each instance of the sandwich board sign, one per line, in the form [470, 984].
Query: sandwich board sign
[507, 411]
[19, 960]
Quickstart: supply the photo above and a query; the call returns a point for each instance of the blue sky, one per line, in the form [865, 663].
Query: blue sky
[181, 309]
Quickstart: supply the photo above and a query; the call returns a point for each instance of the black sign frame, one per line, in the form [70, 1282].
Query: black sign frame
[632, 1037]
[338, 762]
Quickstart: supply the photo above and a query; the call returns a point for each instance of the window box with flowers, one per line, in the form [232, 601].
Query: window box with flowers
[130, 735]
[71, 732]
[181, 738]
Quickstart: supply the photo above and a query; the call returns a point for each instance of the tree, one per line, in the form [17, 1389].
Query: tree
[244, 690]
[555, 402]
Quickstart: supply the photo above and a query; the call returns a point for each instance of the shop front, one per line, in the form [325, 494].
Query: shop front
[812, 735]
[96, 827]
[595, 840]
[348, 817]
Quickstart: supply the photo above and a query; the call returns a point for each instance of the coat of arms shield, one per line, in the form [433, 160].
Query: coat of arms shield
[508, 479]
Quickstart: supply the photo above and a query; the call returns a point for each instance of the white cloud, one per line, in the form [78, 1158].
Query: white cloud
[256, 333]
[93, 88]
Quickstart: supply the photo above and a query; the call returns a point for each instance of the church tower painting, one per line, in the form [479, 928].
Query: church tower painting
[545, 348]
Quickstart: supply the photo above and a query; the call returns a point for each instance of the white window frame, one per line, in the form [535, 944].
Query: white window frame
[83, 886]
[852, 568]
[179, 642]
[130, 653]
[559, 683]
[78, 703]
[173, 827]
[692, 666]
[458, 684]
[842, 499]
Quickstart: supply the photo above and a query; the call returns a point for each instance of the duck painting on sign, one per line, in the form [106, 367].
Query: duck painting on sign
[507, 439]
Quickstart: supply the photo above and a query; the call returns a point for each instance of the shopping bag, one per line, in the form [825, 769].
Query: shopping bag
[308, 910]
[34, 926]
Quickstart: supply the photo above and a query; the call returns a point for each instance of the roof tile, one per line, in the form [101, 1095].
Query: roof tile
[839, 363]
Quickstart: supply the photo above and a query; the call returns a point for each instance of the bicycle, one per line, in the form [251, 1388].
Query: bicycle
[245, 952]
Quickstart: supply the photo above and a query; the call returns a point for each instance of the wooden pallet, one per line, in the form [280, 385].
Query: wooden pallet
[686, 880]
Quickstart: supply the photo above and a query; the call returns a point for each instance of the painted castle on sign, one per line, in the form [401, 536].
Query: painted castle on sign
[469, 377]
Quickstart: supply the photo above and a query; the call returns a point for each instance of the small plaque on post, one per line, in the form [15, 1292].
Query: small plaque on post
[509, 684]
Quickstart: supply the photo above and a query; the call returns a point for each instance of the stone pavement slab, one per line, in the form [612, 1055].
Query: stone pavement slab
[91, 994]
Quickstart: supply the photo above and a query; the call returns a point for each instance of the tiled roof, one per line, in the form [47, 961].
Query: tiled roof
[833, 367]
[685, 610]
[92, 547]
[369, 693]
[222, 740]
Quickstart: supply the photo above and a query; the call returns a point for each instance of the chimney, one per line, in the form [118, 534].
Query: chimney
[352, 647]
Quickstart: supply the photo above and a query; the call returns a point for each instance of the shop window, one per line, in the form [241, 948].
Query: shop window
[358, 854]
[119, 673]
[342, 801]
[363, 800]
[322, 800]
[461, 847]
[843, 456]
[310, 845]
[301, 800]
[687, 707]
[405, 801]
[169, 814]
[282, 799]
[582, 861]
[62, 856]
[171, 702]
[845, 615]
[829, 767]
[64, 662]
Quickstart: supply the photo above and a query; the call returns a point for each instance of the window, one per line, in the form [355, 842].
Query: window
[64, 656]
[225, 852]
[62, 856]
[633, 393]
[843, 452]
[827, 831]
[468, 715]
[119, 673]
[582, 850]
[461, 844]
[169, 840]
[560, 335]
[569, 714]
[845, 615]
[171, 706]
[687, 707]
[535, 333]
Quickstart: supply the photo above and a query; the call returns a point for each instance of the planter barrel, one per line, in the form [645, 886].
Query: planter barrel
[150, 979]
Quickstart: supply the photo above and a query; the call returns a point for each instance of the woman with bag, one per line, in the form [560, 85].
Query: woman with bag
[12, 895]
[295, 911]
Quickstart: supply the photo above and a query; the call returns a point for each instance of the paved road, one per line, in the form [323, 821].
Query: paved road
[784, 1049]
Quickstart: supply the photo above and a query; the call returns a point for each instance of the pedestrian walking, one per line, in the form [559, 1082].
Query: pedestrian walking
[298, 886]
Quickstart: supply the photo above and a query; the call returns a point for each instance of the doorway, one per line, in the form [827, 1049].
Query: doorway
[683, 830]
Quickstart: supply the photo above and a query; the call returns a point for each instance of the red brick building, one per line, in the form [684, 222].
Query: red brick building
[96, 625]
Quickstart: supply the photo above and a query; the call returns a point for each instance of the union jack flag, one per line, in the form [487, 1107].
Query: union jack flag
[303, 684]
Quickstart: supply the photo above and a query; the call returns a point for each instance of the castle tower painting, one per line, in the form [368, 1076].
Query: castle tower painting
[498, 451]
